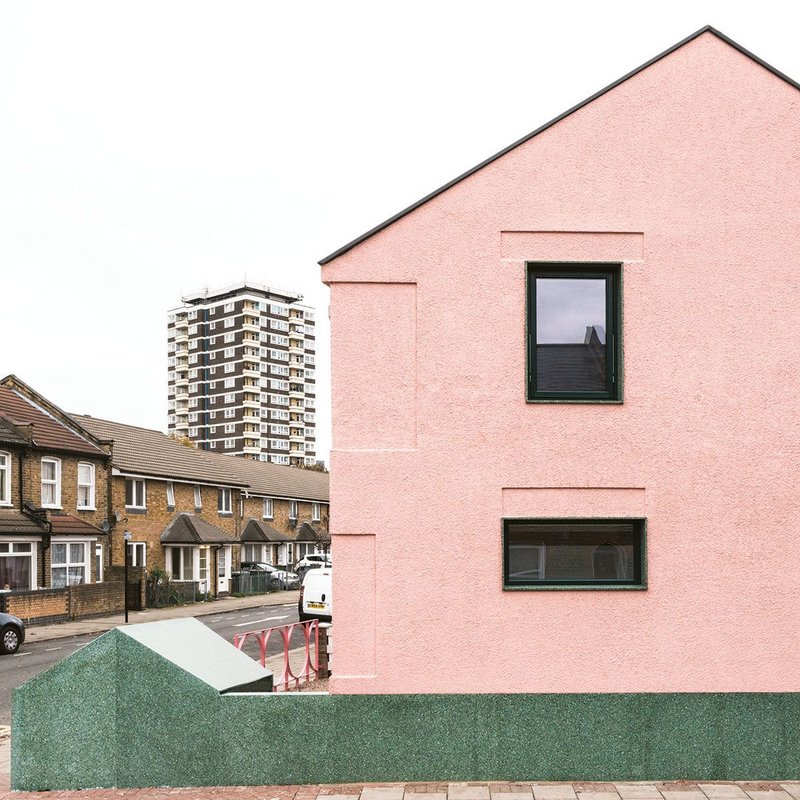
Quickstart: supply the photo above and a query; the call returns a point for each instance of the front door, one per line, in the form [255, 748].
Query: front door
[205, 585]
[224, 569]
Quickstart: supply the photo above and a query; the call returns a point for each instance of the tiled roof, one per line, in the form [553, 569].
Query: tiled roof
[144, 451]
[9, 433]
[47, 432]
[18, 523]
[258, 531]
[308, 533]
[66, 525]
[191, 529]
[275, 480]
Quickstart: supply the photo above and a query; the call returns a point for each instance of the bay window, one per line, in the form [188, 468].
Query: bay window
[17, 565]
[69, 564]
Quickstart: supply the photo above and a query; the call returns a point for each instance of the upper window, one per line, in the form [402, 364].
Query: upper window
[171, 494]
[573, 332]
[573, 553]
[198, 497]
[224, 505]
[268, 508]
[5, 479]
[135, 493]
[51, 483]
[86, 486]
[292, 509]
[315, 512]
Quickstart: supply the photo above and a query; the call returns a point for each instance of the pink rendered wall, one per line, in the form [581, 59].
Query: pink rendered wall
[692, 170]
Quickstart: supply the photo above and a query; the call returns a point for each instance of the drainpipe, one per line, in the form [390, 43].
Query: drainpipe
[110, 515]
[23, 453]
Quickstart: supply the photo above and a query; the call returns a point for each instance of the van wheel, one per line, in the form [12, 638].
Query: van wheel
[9, 640]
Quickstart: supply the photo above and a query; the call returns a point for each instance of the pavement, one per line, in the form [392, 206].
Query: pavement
[63, 630]
[446, 791]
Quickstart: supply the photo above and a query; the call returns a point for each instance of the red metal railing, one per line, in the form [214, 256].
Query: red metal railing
[310, 667]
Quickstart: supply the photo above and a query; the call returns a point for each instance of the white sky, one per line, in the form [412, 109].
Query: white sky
[152, 148]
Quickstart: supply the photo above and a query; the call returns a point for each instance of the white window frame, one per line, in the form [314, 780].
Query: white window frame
[56, 482]
[189, 562]
[198, 497]
[133, 504]
[8, 550]
[98, 562]
[224, 501]
[171, 494]
[137, 554]
[5, 478]
[90, 485]
[269, 508]
[293, 509]
[68, 563]
[316, 514]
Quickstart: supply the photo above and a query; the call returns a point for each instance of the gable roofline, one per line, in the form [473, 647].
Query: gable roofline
[34, 398]
[706, 29]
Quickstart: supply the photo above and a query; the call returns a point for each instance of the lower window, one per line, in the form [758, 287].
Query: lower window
[17, 565]
[573, 553]
[69, 565]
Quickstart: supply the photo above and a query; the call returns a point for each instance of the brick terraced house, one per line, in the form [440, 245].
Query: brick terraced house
[72, 485]
[53, 500]
[191, 512]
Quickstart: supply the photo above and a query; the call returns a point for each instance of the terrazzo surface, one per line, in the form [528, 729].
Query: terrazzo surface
[118, 714]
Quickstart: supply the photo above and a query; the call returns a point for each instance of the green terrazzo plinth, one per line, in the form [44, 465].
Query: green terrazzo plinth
[118, 714]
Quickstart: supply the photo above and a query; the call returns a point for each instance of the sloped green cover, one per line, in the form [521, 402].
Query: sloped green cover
[118, 714]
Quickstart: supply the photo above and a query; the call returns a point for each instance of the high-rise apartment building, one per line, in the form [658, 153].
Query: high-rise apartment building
[241, 373]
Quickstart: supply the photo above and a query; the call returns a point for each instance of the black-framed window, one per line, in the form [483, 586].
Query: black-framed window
[574, 342]
[600, 553]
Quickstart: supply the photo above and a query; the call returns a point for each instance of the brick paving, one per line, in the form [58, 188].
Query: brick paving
[490, 790]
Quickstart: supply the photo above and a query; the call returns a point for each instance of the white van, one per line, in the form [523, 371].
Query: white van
[316, 597]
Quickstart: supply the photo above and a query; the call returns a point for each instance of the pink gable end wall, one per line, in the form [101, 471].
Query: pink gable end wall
[689, 173]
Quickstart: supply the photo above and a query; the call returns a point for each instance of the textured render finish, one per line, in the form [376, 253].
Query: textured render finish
[381, 371]
[118, 714]
[694, 166]
[572, 246]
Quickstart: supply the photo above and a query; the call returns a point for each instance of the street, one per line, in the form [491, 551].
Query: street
[36, 657]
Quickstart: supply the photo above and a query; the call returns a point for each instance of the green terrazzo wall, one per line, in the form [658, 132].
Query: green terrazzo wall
[117, 714]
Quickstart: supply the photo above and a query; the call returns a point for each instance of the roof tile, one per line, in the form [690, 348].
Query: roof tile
[48, 433]
[143, 451]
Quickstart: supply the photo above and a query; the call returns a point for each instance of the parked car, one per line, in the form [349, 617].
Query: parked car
[289, 580]
[312, 561]
[316, 595]
[261, 567]
[12, 633]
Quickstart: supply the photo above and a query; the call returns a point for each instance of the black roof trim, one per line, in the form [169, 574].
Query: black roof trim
[668, 51]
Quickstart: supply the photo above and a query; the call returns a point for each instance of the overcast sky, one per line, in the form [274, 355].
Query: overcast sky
[152, 148]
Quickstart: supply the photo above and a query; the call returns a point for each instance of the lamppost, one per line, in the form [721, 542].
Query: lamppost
[127, 537]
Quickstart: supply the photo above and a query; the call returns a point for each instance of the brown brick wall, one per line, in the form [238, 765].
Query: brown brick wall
[148, 527]
[32, 486]
[74, 602]
[43, 605]
[91, 599]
